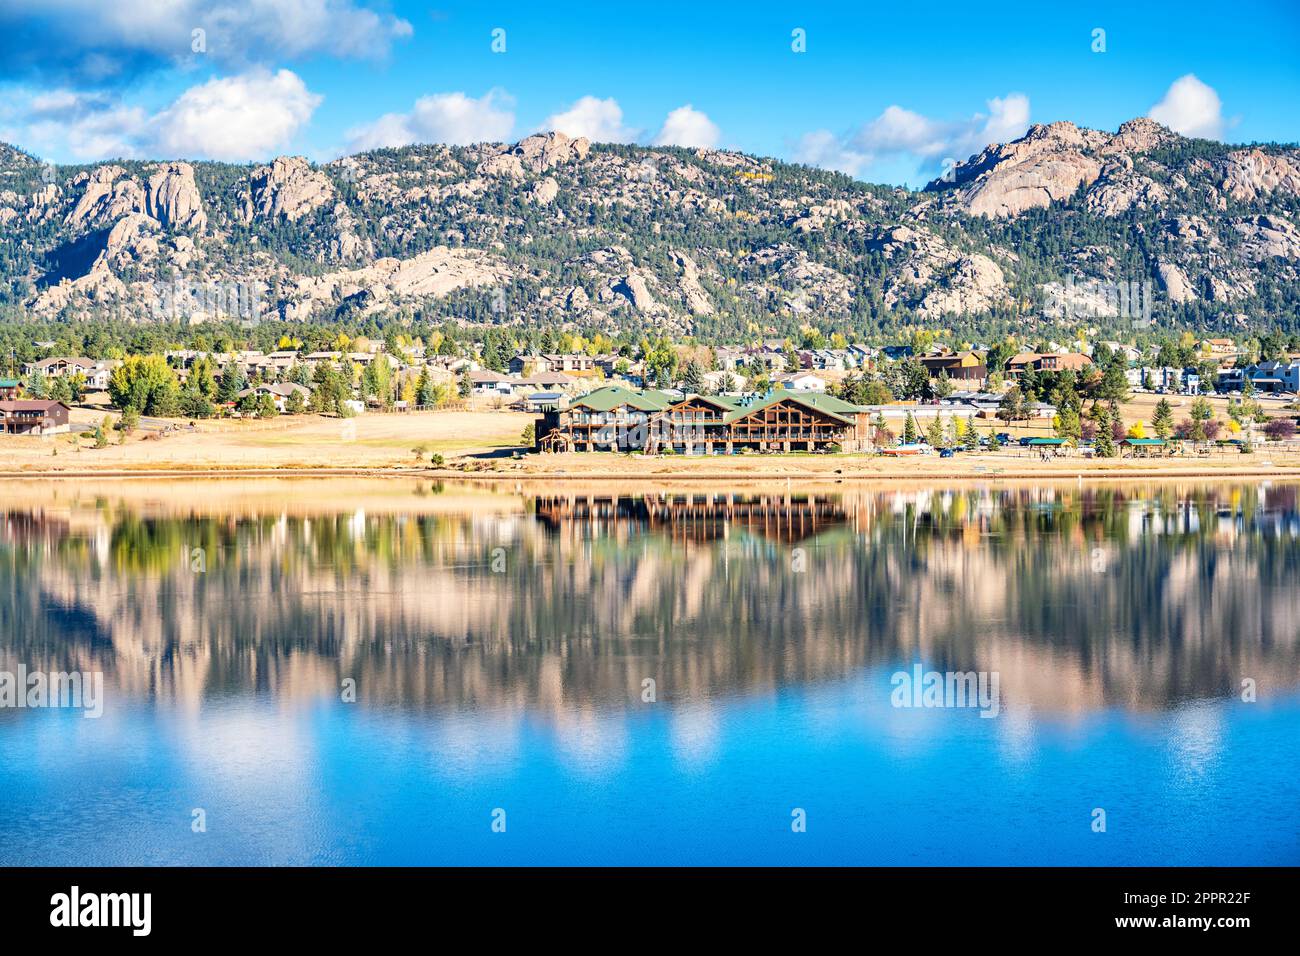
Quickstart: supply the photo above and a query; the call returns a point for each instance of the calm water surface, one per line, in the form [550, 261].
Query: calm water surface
[502, 642]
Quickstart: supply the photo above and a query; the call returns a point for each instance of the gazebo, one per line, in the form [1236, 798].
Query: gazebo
[1145, 447]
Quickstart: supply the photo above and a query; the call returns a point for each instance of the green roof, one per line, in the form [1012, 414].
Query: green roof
[1047, 441]
[818, 401]
[1144, 441]
[721, 401]
[8, 383]
[615, 396]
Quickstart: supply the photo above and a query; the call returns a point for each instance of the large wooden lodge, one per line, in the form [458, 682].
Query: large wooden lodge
[619, 419]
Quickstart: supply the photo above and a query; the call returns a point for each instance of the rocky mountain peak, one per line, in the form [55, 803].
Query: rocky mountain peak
[172, 197]
[288, 187]
[544, 151]
[1139, 135]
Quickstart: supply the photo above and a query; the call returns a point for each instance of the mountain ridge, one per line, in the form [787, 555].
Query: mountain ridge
[716, 243]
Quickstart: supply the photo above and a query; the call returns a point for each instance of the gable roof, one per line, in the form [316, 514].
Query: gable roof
[836, 408]
[32, 405]
[615, 396]
[724, 402]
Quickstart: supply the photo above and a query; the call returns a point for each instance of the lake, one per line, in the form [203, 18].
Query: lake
[409, 672]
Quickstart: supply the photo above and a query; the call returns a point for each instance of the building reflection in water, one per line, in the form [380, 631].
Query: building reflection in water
[1135, 597]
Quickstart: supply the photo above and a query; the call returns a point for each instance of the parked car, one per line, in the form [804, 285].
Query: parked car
[1004, 437]
[946, 452]
[1024, 442]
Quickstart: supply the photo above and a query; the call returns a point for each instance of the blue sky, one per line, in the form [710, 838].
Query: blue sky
[883, 91]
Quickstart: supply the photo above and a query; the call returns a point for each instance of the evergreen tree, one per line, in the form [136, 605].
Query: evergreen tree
[910, 432]
[232, 383]
[1163, 420]
[1105, 443]
[1114, 384]
[693, 378]
[934, 433]
[942, 386]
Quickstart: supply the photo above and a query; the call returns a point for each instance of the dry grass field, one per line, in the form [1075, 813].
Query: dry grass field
[485, 442]
[300, 442]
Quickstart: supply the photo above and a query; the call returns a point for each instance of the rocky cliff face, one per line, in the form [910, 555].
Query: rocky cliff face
[173, 198]
[287, 188]
[1045, 166]
[553, 229]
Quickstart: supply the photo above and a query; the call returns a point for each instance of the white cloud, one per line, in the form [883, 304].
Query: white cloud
[244, 117]
[235, 118]
[904, 137]
[93, 42]
[80, 127]
[1191, 108]
[1008, 119]
[451, 118]
[601, 121]
[687, 126]
[897, 130]
[827, 150]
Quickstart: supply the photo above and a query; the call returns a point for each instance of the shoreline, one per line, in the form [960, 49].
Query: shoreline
[895, 471]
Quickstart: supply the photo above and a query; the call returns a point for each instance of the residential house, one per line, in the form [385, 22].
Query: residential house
[862, 356]
[729, 359]
[9, 389]
[550, 382]
[1131, 354]
[96, 372]
[801, 382]
[1217, 346]
[1046, 362]
[722, 380]
[279, 392]
[33, 417]
[541, 401]
[1160, 378]
[552, 362]
[488, 382]
[768, 355]
[1271, 376]
[826, 360]
[985, 404]
[964, 366]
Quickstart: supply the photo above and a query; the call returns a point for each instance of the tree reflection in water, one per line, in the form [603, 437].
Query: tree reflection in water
[1129, 596]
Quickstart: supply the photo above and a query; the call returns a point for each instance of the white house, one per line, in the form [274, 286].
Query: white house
[279, 392]
[801, 382]
[96, 372]
[716, 380]
[488, 382]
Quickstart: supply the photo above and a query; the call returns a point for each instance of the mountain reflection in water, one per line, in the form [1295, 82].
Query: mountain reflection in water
[1136, 597]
